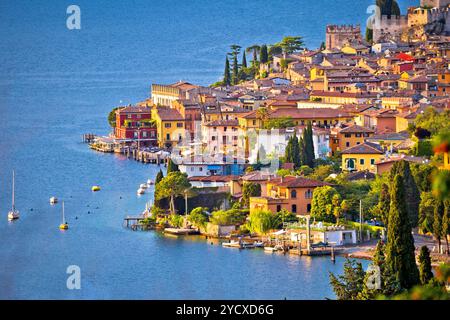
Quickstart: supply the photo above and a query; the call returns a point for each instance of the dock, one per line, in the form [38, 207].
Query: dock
[130, 221]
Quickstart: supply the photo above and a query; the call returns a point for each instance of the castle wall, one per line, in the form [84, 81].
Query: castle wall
[389, 28]
[338, 35]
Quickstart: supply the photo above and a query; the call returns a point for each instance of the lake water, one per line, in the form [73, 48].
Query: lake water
[56, 84]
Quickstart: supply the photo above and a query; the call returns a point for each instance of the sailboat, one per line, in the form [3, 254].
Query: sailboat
[14, 213]
[63, 225]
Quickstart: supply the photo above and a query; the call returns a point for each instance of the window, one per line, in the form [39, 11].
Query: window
[347, 144]
[347, 135]
[254, 122]
[308, 194]
[224, 129]
[213, 138]
[358, 142]
[293, 194]
[144, 134]
[294, 208]
[372, 161]
[235, 137]
[136, 134]
[308, 207]
[168, 136]
[129, 116]
[361, 162]
[200, 169]
[180, 125]
[278, 208]
[167, 125]
[358, 135]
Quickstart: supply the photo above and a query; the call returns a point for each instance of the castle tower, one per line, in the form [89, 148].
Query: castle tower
[338, 35]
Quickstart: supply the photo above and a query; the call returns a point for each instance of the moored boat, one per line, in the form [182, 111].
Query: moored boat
[232, 244]
[53, 200]
[14, 213]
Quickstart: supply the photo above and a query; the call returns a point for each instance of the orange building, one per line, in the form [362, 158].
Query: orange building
[293, 194]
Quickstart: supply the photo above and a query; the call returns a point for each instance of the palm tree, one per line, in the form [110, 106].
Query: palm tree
[262, 114]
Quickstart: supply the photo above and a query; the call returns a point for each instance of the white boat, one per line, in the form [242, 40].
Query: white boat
[232, 244]
[140, 191]
[14, 213]
[143, 186]
[259, 244]
[150, 182]
[273, 249]
[248, 245]
[63, 225]
[53, 200]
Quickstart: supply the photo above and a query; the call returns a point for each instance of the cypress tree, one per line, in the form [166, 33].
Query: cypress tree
[244, 61]
[171, 166]
[235, 75]
[264, 55]
[425, 265]
[301, 146]
[400, 258]
[384, 203]
[308, 145]
[159, 176]
[292, 152]
[446, 224]
[437, 222]
[412, 194]
[226, 73]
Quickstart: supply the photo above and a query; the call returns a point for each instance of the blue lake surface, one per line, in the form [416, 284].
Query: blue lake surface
[56, 84]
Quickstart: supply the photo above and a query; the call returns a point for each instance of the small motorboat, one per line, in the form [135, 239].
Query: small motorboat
[53, 200]
[273, 249]
[259, 244]
[150, 182]
[232, 244]
[248, 245]
[140, 191]
[14, 213]
[143, 186]
[95, 188]
[63, 225]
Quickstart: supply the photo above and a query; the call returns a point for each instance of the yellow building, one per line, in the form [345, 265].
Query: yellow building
[362, 157]
[170, 126]
[293, 194]
[353, 136]
[355, 50]
[403, 120]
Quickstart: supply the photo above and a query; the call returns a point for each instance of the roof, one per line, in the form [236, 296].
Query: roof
[258, 176]
[364, 148]
[134, 109]
[360, 175]
[169, 114]
[213, 178]
[222, 123]
[298, 182]
[356, 129]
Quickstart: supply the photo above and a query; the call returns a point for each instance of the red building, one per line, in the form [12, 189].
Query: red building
[135, 124]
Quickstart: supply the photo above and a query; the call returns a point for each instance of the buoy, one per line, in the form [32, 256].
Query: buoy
[95, 188]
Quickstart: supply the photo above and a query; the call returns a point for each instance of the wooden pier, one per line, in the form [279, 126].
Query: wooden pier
[88, 137]
[130, 221]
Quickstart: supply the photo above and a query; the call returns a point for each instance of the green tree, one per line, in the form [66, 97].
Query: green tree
[322, 207]
[388, 7]
[172, 166]
[400, 256]
[279, 123]
[254, 49]
[369, 35]
[261, 155]
[426, 212]
[262, 221]
[349, 285]
[225, 218]
[292, 152]
[422, 174]
[244, 60]
[159, 176]
[383, 205]
[446, 224]
[250, 189]
[226, 73]
[171, 186]
[198, 217]
[433, 121]
[263, 54]
[290, 44]
[437, 222]
[411, 192]
[425, 265]
[235, 50]
[309, 145]
[112, 117]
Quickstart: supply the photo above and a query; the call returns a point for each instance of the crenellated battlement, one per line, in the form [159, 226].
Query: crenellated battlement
[333, 28]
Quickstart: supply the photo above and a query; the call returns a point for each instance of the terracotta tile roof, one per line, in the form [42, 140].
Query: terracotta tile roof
[214, 178]
[222, 123]
[298, 182]
[356, 129]
[364, 148]
[258, 176]
[134, 109]
[169, 114]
